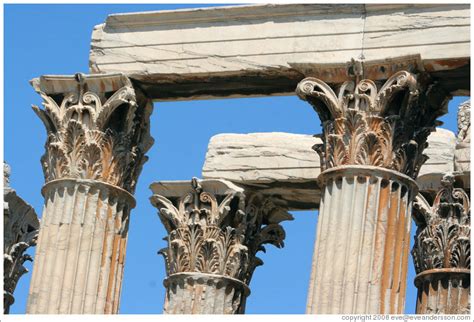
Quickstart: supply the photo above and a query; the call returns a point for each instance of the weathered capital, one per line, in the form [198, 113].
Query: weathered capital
[20, 231]
[215, 233]
[372, 124]
[442, 250]
[443, 237]
[98, 128]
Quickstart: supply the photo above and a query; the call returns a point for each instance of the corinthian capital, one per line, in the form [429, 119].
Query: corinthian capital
[20, 231]
[366, 123]
[97, 128]
[214, 228]
[443, 236]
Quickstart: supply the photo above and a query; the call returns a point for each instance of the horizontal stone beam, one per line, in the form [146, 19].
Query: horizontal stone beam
[284, 165]
[266, 49]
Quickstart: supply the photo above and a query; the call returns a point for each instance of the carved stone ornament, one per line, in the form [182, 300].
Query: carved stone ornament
[464, 122]
[20, 231]
[443, 236]
[367, 125]
[218, 234]
[97, 135]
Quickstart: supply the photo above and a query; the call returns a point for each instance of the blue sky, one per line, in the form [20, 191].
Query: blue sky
[54, 39]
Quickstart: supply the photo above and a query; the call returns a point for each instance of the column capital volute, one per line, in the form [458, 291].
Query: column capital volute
[97, 127]
[442, 240]
[372, 123]
[216, 227]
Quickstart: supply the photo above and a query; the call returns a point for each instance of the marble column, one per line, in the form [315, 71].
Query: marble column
[371, 151]
[442, 250]
[98, 133]
[20, 231]
[215, 232]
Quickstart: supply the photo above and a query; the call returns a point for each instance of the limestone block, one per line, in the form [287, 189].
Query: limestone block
[281, 164]
[440, 150]
[462, 157]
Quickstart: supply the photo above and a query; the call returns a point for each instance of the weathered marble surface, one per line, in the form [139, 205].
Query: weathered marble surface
[284, 164]
[269, 48]
[360, 258]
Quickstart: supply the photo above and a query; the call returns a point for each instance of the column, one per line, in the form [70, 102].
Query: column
[98, 133]
[372, 149]
[20, 231]
[214, 233]
[442, 251]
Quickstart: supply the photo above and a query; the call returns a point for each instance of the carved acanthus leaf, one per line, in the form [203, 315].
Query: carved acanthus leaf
[218, 234]
[94, 136]
[443, 236]
[385, 127]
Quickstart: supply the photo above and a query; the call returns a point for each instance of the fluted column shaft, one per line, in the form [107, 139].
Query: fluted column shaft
[198, 293]
[362, 246]
[443, 291]
[81, 248]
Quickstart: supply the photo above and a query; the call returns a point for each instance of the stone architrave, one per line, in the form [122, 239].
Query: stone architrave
[20, 231]
[372, 149]
[442, 251]
[462, 154]
[214, 234]
[98, 133]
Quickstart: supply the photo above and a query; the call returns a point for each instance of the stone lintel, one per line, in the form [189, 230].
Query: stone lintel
[268, 49]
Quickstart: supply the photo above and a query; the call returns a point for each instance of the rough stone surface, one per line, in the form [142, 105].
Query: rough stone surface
[284, 165]
[270, 48]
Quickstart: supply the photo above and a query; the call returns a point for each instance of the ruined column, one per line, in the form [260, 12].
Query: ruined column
[442, 251]
[214, 234]
[372, 143]
[98, 133]
[20, 231]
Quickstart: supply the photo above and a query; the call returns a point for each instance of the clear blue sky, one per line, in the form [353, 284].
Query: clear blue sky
[54, 39]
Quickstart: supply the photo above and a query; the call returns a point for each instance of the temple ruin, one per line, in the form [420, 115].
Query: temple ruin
[378, 77]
